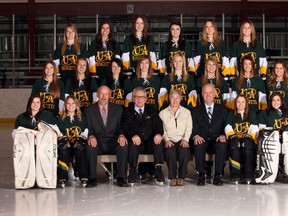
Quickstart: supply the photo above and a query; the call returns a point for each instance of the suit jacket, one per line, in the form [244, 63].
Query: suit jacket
[201, 125]
[146, 127]
[95, 125]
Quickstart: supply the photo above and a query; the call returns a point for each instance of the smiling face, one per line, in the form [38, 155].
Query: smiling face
[178, 63]
[209, 28]
[175, 31]
[279, 71]
[35, 105]
[139, 98]
[103, 95]
[208, 94]
[276, 102]
[211, 67]
[247, 30]
[144, 65]
[175, 100]
[247, 67]
[81, 67]
[116, 69]
[70, 106]
[70, 34]
[139, 25]
[49, 70]
[241, 104]
[105, 30]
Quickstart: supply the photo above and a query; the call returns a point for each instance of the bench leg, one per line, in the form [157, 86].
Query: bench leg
[108, 171]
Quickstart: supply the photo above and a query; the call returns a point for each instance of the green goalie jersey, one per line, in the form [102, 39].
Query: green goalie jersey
[50, 103]
[272, 119]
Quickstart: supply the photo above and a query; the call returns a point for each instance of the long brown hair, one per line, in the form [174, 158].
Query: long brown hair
[144, 33]
[54, 85]
[76, 42]
[246, 111]
[138, 69]
[241, 74]
[77, 110]
[272, 82]
[75, 80]
[217, 75]
[185, 74]
[216, 37]
[28, 112]
[181, 40]
[98, 38]
[253, 33]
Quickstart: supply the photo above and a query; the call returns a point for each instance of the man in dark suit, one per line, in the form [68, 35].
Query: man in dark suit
[105, 136]
[209, 121]
[144, 130]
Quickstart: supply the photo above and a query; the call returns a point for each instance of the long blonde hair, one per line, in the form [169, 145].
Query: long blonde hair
[216, 37]
[217, 75]
[185, 74]
[76, 42]
[78, 112]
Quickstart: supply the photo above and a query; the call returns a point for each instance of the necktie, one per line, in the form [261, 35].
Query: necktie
[209, 114]
[140, 113]
[104, 116]
[279, 112]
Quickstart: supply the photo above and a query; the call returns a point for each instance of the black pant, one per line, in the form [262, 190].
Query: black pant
[147, 147]
[241, 161]
[111, 148]
[64, 156]
[174, 154]
[218, 148]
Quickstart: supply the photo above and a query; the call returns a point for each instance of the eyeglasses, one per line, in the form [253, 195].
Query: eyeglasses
[139, 97]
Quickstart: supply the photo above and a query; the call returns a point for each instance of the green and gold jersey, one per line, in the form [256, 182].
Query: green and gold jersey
[50, 103]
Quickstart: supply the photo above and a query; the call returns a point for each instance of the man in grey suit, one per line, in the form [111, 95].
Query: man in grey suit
[105, 136]
[209, 121]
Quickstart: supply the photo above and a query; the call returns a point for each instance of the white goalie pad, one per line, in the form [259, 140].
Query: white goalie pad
[46, 159]
[267, 156]
[285, 151]
[23, 158]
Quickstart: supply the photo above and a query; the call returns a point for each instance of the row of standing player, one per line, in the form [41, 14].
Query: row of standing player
[140, 43]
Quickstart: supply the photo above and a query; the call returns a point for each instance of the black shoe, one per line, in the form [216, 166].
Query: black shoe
[84, 182]
[217, 180]
[92, 183]
[235, 180]
[159, 175]
[201, 179]
[121, 182]
[142, 175]
[132, 175]
[62, 183]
